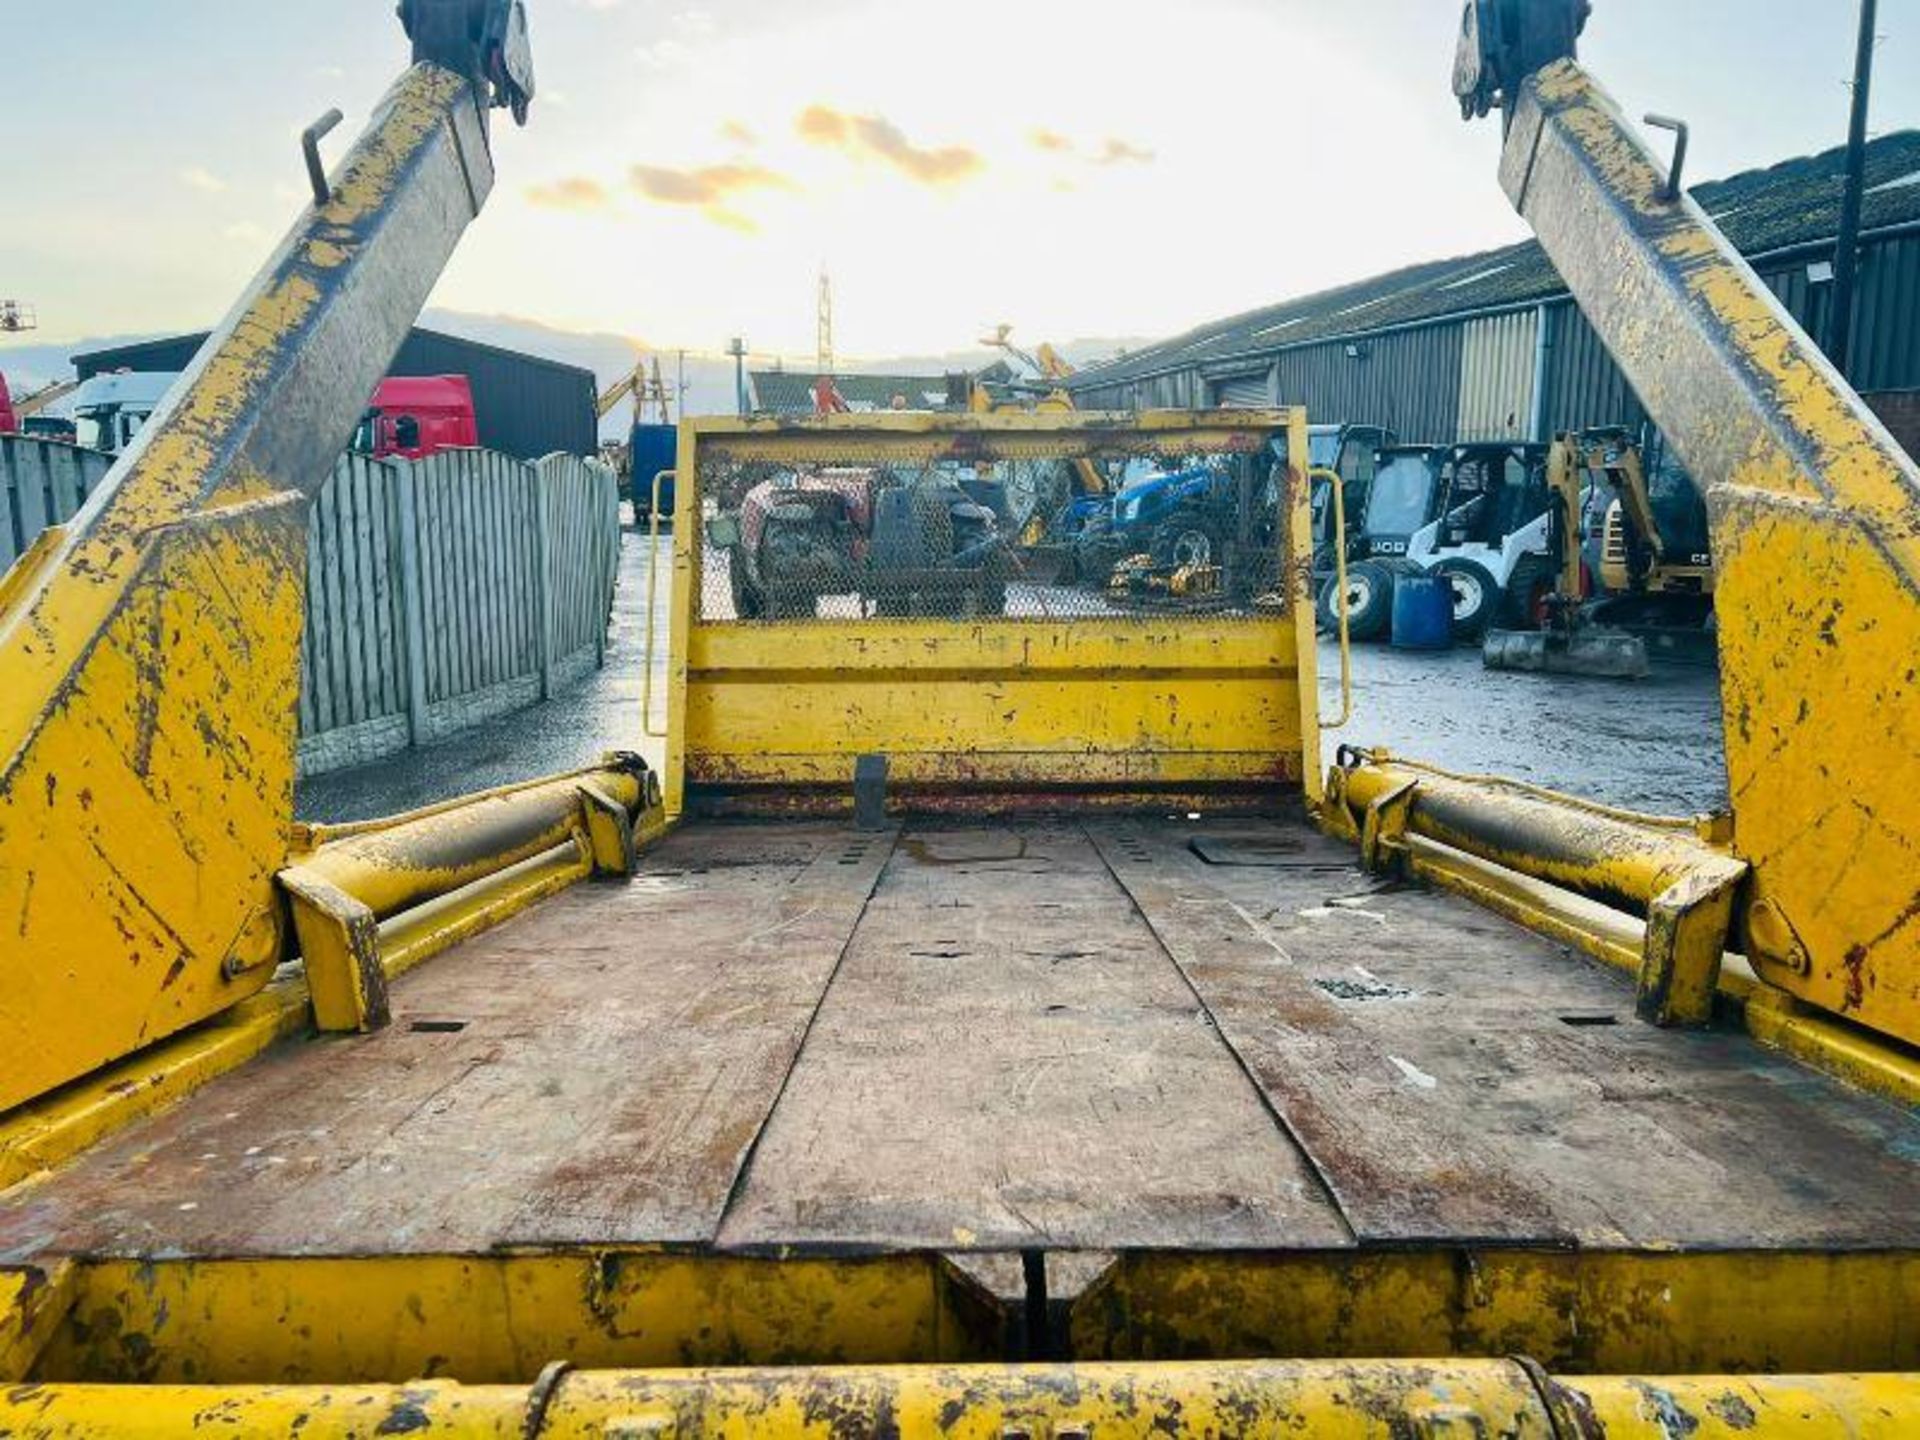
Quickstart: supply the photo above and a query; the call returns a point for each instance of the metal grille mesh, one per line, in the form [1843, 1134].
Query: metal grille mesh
[1031, 538]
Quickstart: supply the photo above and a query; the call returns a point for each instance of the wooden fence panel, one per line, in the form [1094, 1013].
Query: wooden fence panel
[42, 483]
[440, 592]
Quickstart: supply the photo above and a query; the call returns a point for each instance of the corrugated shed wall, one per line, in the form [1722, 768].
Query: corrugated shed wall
[1496, 377]
[1252, 390]
[1409, 381]
[1584, 386]
[1886, 326]
[1460, 379]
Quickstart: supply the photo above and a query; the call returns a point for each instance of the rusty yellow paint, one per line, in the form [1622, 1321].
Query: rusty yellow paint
[47, 1132]
[1030, 705]
[1357, 1400]
[165, 1412]
[1488, 845]
[499, 1318]
[1587, 1312]
[1371, 1400]
[152, 649]
[496, 1318]
[1739, 1407]
[34, 1301]
[1816, 543]
[997, 702]
[143, 816]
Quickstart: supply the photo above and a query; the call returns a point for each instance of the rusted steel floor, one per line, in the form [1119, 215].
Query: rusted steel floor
[1046, 1033]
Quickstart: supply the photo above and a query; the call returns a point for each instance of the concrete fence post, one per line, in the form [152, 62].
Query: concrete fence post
[543, 571]
[603, 484]
[413, 600]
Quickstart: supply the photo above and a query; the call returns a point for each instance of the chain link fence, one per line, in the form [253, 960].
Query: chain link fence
[876, 533]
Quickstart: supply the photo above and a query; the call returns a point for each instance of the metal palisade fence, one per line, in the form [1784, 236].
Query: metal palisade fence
[440, 592]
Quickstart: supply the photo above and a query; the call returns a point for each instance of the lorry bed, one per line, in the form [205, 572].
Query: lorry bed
[1053, 1033]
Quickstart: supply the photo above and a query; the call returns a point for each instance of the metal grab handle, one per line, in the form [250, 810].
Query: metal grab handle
[1340, 592]
[310, 147]
[653, 587]
[1671, 190]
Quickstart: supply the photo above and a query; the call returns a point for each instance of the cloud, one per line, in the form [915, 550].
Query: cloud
[738, 133]
[575, 192]
[1115, 151]
[202, 180]
[707, 188]
[246, 232]
[876, 137]
[663, 54]
[1051, 141]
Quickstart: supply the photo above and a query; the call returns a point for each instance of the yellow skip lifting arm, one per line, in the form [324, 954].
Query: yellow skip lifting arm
[152, 647]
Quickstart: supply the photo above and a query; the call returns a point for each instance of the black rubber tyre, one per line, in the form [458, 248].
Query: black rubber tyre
[1527, 588]
[1369, 601]
[1188, 537]
[746, 599]
[1477, 596]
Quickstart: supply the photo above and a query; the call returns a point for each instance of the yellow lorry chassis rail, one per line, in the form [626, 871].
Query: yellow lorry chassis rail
[1352, 1400]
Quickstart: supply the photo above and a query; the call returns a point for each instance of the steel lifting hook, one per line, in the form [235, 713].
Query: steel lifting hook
[1671, 190]
[310, 147]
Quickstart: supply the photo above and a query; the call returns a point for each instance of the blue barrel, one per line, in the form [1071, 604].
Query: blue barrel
[1422, 612]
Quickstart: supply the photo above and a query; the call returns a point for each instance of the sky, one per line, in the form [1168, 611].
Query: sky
[1075, 168]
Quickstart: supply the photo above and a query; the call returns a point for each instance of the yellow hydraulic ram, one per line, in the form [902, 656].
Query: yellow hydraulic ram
[1337, 1400]
[150, 651]
[1815, 528]
[372, 900]
[1490, 839]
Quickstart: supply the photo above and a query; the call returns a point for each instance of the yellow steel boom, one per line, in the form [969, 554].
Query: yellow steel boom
[1815, 529]
[152, 647]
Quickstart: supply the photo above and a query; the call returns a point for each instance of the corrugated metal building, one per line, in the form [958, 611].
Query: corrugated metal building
[1490, 346]
[528, 406]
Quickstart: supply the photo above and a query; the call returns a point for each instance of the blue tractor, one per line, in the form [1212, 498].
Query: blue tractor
[1191, 505]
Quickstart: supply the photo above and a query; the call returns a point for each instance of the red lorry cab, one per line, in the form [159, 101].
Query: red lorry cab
[9, 422]
[416, 415]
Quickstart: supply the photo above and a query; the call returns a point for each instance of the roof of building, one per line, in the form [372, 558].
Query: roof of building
[1794, 203]
[790, 392]
[173, 352]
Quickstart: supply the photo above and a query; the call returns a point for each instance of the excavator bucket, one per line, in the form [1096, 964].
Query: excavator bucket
[1604, 654]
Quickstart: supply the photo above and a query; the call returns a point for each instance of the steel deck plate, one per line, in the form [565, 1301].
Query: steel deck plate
[1039, 1033]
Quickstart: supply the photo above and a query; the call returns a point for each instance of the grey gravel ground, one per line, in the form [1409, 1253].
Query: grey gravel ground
[1652, 744]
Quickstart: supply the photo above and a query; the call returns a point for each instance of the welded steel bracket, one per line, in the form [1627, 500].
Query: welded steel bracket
[1383, 827]
[340, 943]
[1687, 928]
[438, 875]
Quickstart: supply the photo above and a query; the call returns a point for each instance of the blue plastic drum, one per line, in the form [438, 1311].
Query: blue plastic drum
[1422, 613]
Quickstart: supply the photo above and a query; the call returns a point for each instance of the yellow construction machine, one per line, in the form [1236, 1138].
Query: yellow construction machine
[961, 1029]
[1654, 548]
[1559, 631]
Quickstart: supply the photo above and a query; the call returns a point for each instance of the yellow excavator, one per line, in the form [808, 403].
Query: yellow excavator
[994, 1025]
[1654, 551]
[1037, 503]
